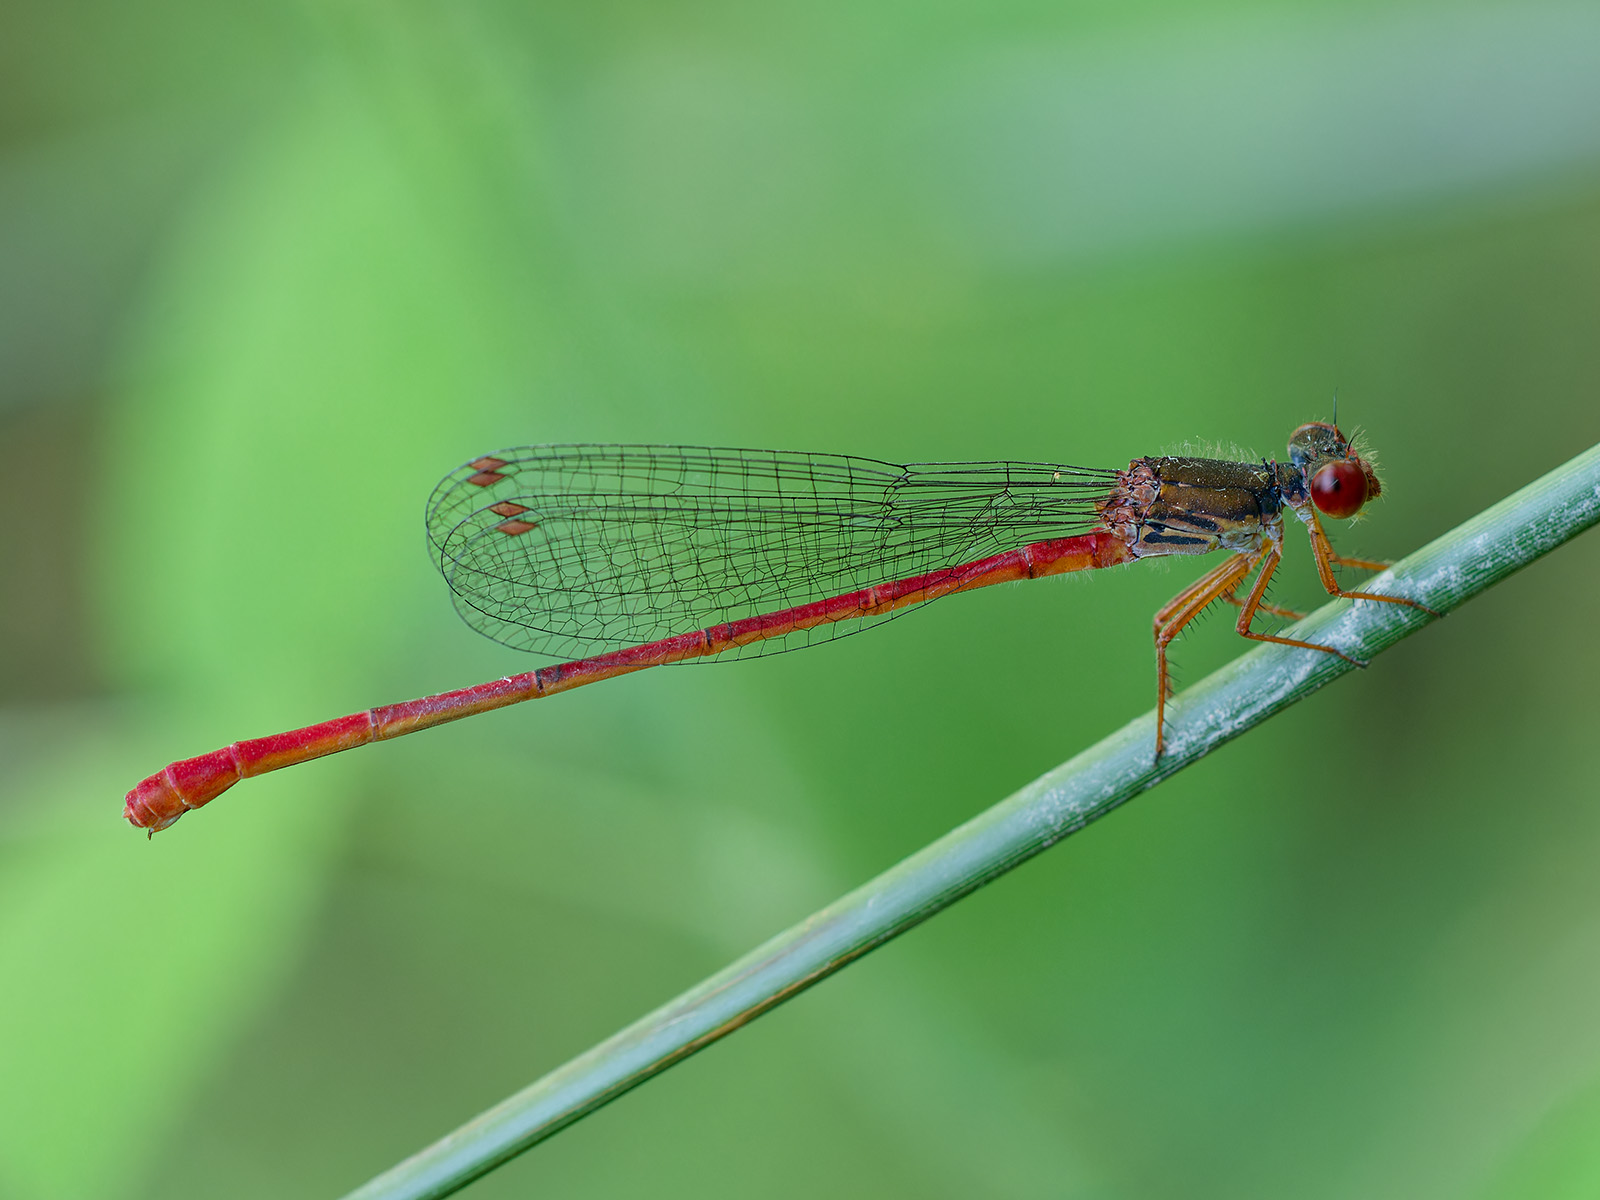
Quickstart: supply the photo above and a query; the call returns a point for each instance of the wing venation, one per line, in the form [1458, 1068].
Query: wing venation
[571, 551]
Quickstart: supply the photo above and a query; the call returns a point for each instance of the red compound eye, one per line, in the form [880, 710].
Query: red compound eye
[1339, 489]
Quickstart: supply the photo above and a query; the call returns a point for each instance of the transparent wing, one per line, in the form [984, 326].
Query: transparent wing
[570, 551]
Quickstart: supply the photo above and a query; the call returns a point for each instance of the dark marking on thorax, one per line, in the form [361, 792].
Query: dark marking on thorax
[1174, 505]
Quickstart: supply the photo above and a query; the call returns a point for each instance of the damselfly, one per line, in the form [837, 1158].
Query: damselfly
[619, 558]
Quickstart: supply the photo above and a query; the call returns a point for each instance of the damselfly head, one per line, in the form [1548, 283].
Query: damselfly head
[1340, 480]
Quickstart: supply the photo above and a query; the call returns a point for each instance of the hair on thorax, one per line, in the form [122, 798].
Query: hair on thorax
[1205, 448]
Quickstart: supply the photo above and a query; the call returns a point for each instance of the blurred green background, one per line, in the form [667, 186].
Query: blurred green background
[267, 272]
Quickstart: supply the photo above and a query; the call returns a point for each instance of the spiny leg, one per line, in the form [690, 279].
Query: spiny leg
[1205, 583]
[1287, 613]
[1269, 564]
[1322, 551]
[1364, 564]
[1183, 608]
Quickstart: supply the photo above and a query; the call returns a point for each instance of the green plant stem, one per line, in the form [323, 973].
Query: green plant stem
[1265, 681]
